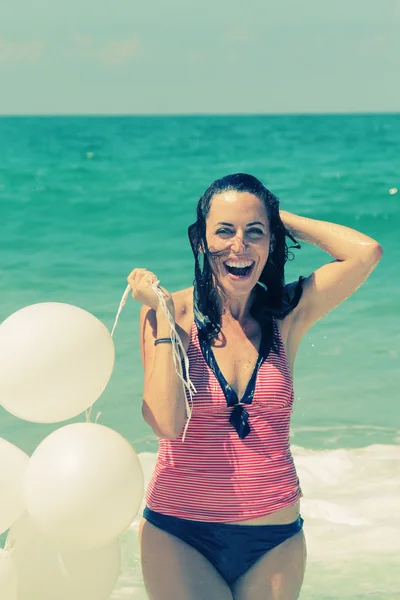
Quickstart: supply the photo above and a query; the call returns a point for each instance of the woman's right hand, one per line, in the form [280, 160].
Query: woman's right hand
[141, 281]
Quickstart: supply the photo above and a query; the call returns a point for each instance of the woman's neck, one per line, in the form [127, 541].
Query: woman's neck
[235, 308]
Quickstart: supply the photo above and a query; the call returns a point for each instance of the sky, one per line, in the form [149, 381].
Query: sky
[199, 56]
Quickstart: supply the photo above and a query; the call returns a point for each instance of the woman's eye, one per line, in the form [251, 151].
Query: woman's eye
[255, 231]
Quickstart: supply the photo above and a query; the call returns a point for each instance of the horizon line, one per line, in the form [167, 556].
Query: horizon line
[198, 114]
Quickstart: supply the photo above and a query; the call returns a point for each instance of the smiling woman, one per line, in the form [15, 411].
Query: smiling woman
[255, 234]
[223, 519]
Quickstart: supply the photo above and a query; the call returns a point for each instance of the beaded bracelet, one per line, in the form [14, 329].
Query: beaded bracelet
[166, 340]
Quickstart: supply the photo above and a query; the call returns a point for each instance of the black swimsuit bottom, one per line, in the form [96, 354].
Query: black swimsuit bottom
[232, 549]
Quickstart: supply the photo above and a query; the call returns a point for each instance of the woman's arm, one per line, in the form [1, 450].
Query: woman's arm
[164, 398]
[164, 407]
[355, 254]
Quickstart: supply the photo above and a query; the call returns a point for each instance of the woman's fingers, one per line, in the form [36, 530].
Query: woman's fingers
[141, 281]
[136, 276]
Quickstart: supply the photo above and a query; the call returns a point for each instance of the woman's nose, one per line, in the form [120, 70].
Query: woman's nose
[238, 245]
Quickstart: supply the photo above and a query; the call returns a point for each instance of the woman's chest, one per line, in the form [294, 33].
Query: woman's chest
[267, 385]
[236, 361]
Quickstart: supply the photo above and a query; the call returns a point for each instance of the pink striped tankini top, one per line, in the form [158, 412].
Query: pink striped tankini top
[235, 463]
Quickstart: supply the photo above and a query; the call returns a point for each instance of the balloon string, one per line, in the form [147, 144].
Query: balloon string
[178, 352]
[124, 298]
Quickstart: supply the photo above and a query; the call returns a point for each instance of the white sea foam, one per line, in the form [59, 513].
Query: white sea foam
[351, 511]
[351, 498]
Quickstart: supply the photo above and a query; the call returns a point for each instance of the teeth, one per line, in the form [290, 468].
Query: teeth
[239, 264]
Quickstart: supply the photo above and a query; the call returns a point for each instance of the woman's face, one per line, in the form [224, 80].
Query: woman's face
[237, 226]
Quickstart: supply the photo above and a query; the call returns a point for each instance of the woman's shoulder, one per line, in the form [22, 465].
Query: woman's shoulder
[183, 301]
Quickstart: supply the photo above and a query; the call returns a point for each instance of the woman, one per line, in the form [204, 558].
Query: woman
[223, 508]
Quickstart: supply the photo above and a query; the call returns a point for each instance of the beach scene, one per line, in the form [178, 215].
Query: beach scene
[83, 204]
[86, 198]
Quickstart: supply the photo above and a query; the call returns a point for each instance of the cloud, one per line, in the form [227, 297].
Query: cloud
[118, 52]
[21, 52]
[239, 35]
[114, 53]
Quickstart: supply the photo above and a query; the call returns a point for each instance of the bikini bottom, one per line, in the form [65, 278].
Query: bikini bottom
[232, 549]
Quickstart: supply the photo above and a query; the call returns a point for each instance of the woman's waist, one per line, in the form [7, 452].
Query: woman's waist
[274, 474]
[216, 461]
[237, 505]
[283, 516]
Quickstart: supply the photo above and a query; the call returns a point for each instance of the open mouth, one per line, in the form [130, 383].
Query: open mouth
[239, 268]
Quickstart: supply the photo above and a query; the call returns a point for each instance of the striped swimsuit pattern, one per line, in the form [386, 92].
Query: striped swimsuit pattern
[215, 475]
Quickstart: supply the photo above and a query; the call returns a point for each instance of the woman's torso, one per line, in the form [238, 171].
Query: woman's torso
[236, 352]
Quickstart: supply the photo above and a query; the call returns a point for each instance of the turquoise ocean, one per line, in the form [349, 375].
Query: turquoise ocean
[84, 200]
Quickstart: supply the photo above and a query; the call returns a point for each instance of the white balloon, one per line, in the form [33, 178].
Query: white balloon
[47, 573]
[55, 361]
[13, 464]
[8, 577]
[83, 485]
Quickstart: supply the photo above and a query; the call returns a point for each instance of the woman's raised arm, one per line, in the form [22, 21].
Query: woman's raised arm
[355, 256]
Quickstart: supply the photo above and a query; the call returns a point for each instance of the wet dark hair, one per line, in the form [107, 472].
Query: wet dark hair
[271, 299]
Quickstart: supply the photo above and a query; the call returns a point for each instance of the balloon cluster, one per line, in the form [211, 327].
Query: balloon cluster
[65, 506]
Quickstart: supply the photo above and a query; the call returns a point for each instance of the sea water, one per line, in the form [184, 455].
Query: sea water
[85, 200]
